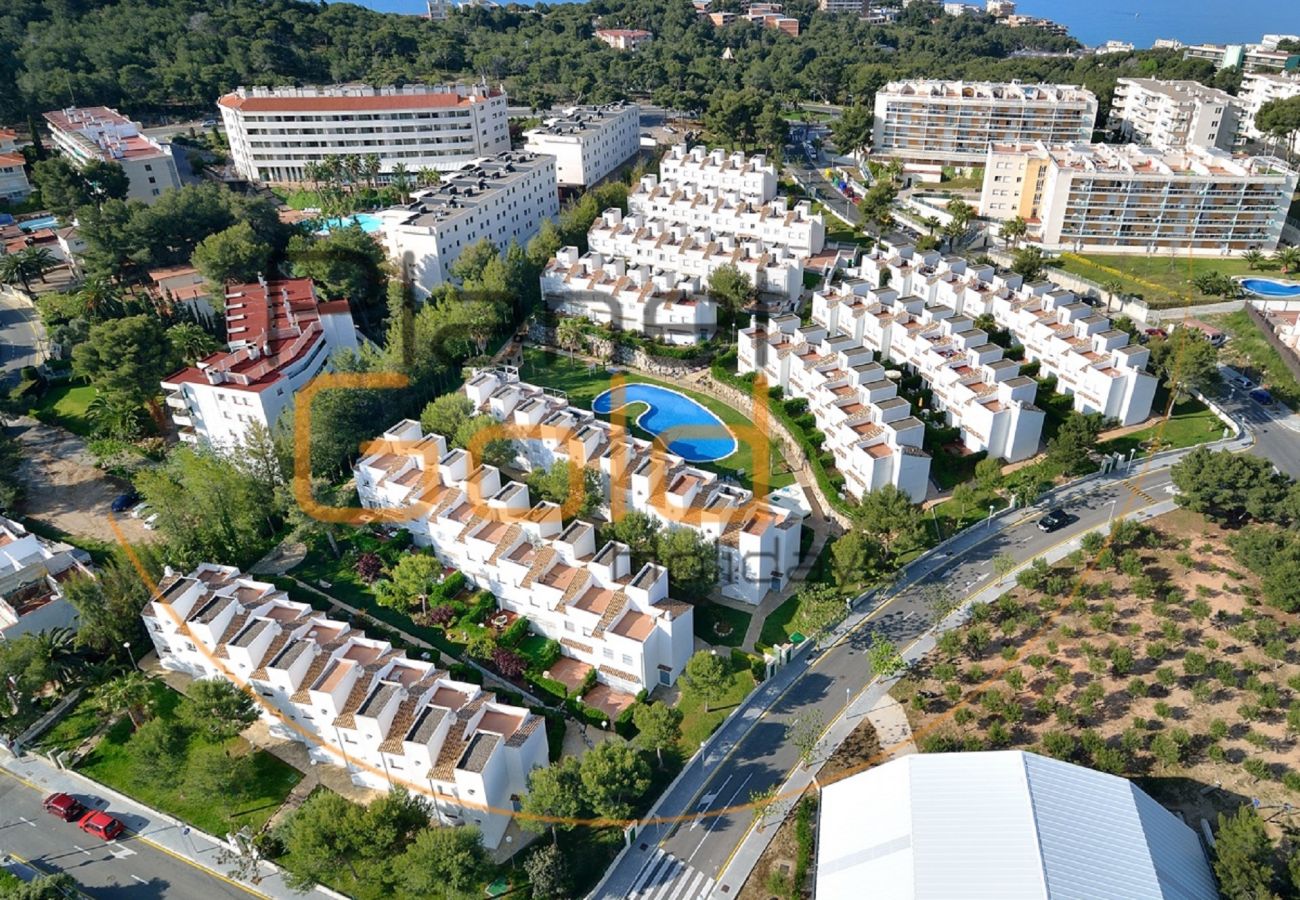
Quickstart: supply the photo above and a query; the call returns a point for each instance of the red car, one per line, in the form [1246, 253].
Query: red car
[65, 806]
[101, 824]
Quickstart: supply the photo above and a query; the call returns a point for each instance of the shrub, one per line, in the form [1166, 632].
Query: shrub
[369, 567]
[1257, 769]
[508, 662]
[442, 616]
[513, 635]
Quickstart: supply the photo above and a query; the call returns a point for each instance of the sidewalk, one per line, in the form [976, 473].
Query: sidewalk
[187, 845]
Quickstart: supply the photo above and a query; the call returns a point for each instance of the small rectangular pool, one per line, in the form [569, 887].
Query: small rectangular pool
[38, 223]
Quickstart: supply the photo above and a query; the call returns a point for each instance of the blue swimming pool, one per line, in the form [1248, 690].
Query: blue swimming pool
[369, 223]
[1267, 287]
[30, 225]
[685, 427]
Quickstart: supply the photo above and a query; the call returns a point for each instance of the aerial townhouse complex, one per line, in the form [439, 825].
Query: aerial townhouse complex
[752, 177]
[103, 134]
[280, 336]
[615, 619]
[1258, 88]
[501, 199]
[1091, 359]
[354, 701]
[588, 142]
[868, 428]
[1174, 113]
[32, 573]
[937, 123]
[274, 132]
[1126, 198]
[14, 185]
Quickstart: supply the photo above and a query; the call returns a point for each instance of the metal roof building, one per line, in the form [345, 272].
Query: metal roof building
[1004, 825]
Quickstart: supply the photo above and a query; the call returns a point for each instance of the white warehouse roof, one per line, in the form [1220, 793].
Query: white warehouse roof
[1002, 825]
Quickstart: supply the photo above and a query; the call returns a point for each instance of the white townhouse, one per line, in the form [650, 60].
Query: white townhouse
[274, 132]
[753, 178]
[624, 38]
[1093, 361]
[1258, 88]
[14, 185]
[280, 336]
[774, 271]
[1174, 113]
[354, 701]
[501, 199]
[1126, 198]
[774, 221]
[586, 596]
[661, 304]
[757, 541]
[868, 428]
[937, 123]
[588, 142]
[32, 573]
[105, 135]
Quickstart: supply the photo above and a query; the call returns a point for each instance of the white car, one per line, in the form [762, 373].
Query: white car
[151, 522]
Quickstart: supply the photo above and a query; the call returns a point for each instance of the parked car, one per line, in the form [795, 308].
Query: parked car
[123, 502]
[1054, 519]
[152, 522]
[101, 825]
[209, 123]
[1262, 397]
[65, 806]
[138, 510]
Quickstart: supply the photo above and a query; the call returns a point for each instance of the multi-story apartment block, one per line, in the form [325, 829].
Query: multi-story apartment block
[772, 220]
[869, 429]
[953, 122]
[1016, 20]
[774, 271]
[32, 573]
[1262, 57]
[354, 701]
[280, 336]
[772, 15]
[753, 178]
[661, 304]
[1092, 360]
[1000, 9]
[588, 142]
[1125, 198]
[103, 134]
[584, 595]
[14, 185]
[1258, 88]
[1173, 113]
[502, 199]
[857, 7]
[274, 132]
[624, 38]
[757, 541]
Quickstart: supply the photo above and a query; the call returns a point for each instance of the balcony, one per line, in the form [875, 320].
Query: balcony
[176, 400]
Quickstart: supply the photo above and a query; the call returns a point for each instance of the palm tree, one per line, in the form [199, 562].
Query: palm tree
[931, 223]
[1114, 289]
[1014, 229]
[568, 334]
[14, 270]
[370, 169]
[114, 415]
[352, 169]
[131, 693]
[960, 211]
[100, 298]
[1288, 258]
[311, 171]
[58, 646]
[38, 260]
[428, 176]
[401, 182]
[191, 341]
[1252, 258]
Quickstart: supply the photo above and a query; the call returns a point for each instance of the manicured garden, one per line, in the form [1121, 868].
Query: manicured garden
[720, 625]
[66, 405]
[698, 722]
[1160, 280]
[1190, 422]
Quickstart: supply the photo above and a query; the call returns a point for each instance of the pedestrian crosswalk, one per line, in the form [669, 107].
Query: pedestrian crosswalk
[666, 877]
[1133, 485]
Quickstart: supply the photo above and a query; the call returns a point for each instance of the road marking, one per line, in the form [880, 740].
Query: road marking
[81, 849]
[139, 879]
[26, 821]
[121, 851]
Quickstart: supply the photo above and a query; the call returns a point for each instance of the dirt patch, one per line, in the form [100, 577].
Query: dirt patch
[859, 752]
[64, 489]
[775, 868]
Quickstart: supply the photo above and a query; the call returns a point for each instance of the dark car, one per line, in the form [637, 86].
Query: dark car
[102, 825]
[65, 806]
[1262, 397]
[1054, 519]
[123, 502]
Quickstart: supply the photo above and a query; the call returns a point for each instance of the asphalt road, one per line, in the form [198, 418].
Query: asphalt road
[20, 334]
[813, 180]
[1277, 432]
[126, 868]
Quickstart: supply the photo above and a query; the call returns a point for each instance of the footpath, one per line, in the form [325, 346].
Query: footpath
[186, 844]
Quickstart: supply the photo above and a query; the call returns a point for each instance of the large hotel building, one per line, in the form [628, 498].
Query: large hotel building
[275, 132]
[953, 122]
[1124, 198]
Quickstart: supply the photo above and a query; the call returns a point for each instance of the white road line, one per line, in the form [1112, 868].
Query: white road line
[671, 874]
[81, 849]
[649, 871]
[26, 821]
[139, 879]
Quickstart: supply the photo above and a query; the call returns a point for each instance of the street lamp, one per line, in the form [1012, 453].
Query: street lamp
[989, 520]
[1111, 517]
[126, 645]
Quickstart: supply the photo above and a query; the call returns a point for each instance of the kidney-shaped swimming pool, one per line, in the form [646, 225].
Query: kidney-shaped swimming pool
[684, 426]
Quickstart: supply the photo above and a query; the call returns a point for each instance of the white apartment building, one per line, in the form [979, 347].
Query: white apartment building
[501, 199]
[14, 185]
[588, 142]
[280, 336]
[624, 38]
[857, 7]
[868, 428]
[753, 178]
[1093, 361]
[586, 596]
[274, 132]
[32, 573]
[953, 122]
[100, 133]
[1125, 198]
[661, 304]
[757, 541]
[1262, 57]
[774, 271]
[1258, 88]
[354, 701]
[1173, 113]
[773, 220]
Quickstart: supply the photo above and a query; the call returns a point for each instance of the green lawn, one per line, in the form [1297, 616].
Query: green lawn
[697, 724]
[65, 405]
[72, 729]
[712, 619]
[1160, 280]
[582, 386]
[1249, 348]
[110, 763]
[1190, 423]
[836, 230]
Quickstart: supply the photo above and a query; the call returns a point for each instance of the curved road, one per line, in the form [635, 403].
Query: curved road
[21, 335]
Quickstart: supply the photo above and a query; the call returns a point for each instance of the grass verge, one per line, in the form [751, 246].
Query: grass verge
[720, 625]
[1251, 349]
